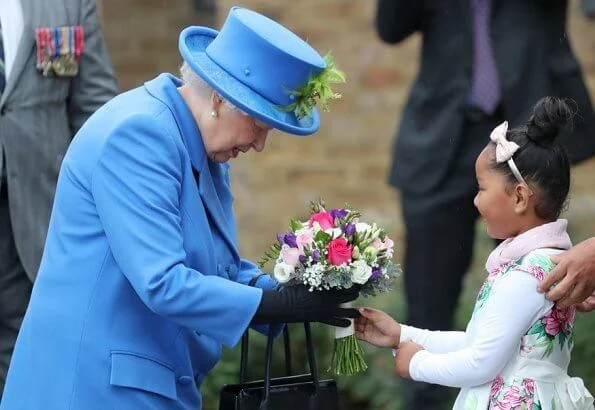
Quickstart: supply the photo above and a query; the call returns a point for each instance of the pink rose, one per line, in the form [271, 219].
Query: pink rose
[305, 237]
[501, 405]
[339, 251]
[324, 219]
[529, 386]
[512, 397]
[496, 386]
[499, 269]
[290, 256]
[537, 271]
[555, 321]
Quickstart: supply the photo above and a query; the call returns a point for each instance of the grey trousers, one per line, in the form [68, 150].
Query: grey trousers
[15, 287]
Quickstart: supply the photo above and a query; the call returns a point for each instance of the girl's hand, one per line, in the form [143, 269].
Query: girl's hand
[377, 328]
[405, 353]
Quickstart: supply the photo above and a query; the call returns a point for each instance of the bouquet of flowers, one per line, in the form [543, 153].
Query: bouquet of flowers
[334, 249]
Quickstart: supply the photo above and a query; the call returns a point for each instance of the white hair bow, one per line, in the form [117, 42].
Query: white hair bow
[505, 150]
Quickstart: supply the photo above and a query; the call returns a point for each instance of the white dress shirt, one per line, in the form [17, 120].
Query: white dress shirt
[11, 18]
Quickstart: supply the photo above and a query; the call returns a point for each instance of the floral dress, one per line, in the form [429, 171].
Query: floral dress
[535, 377]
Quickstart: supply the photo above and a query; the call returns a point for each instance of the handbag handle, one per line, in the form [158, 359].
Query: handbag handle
[245, 344]
[269, 355]
[244, 354]
[311, 363]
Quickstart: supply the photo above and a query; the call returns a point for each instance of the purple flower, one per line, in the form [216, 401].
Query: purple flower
[303, 259]
[280, 238]
[288, 239]
[376, 272]
[349, 229]
[338, 213]
[315, 255]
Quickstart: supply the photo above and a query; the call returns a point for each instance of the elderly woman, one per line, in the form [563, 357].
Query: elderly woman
[141, 282]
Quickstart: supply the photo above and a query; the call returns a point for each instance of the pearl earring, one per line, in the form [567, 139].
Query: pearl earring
[213, 113]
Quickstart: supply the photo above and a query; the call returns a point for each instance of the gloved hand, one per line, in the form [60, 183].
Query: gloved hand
[298, 304]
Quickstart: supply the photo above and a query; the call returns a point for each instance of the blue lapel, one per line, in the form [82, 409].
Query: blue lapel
[164, 88]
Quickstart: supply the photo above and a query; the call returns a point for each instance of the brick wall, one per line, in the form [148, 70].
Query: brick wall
[347, 160]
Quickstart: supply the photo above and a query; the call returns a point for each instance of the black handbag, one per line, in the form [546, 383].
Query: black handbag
[292, 392]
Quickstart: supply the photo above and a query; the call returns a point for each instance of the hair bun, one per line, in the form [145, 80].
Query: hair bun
[550, 115]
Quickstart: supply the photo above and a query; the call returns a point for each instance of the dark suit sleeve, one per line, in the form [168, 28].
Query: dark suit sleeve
[95, 82]
[398, 19]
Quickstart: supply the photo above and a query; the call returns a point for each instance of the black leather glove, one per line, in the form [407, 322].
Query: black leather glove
[298, 304]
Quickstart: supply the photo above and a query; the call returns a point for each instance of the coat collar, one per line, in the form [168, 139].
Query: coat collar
[165, 88]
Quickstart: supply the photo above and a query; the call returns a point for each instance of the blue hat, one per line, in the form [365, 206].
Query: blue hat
[255, 63]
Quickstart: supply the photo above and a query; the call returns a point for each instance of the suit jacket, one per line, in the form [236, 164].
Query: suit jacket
[534, 59]
[39, 115]
[138, 286]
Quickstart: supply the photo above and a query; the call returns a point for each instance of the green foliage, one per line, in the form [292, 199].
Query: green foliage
[295, 225]
[317, 206]
[316, 91]
[385, 285]
[322, 236]
[270, 255]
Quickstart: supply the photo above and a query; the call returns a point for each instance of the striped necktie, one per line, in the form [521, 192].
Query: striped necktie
[2, 72]
[485, 84]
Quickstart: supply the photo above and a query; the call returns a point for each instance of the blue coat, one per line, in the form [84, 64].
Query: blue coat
[141, 282]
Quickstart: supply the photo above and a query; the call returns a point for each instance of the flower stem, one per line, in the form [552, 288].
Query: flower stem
[348, 357]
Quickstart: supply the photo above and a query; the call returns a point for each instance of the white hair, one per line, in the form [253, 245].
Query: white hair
[189, 76]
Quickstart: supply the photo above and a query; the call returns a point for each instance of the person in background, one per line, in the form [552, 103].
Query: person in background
[54, 73]
[141, 282]
[515, 351]
[481, 63]
[572, 281]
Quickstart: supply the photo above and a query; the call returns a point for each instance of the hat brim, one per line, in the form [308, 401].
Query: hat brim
[193, 43]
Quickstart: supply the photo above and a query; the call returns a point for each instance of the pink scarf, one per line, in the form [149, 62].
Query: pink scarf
[549, 235]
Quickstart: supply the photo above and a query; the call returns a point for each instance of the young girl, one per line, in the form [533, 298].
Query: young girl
[515, 351]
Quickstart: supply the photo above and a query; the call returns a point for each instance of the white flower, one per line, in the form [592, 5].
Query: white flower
[362, 227]
[360, 272]
[313, 276]
[334, 232]
[283, 272]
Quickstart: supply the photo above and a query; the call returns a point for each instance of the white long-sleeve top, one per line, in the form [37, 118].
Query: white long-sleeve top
[477, 355]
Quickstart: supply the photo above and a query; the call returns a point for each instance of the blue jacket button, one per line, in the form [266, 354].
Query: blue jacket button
[184, 379]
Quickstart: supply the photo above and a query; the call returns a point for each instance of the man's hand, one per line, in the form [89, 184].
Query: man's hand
[588, 305]
[573, 278]
[405, 353]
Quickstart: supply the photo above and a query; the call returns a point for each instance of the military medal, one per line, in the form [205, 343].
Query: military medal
[59, 50]
[42, 38]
